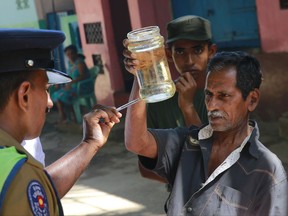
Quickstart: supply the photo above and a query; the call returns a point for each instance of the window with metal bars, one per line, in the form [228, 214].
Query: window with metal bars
[93, 33]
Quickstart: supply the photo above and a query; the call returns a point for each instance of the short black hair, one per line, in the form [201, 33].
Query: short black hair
[248, 70]
[71, 47]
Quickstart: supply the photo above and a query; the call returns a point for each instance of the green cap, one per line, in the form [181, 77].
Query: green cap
[189, 27]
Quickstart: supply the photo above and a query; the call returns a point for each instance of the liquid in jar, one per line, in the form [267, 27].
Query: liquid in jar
[153, 73]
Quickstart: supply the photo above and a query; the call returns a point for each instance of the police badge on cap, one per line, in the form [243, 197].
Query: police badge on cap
[28, 49]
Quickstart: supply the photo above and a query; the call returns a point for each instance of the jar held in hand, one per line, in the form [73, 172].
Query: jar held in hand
[153, 74]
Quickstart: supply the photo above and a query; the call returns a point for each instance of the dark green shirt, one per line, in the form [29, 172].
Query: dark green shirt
[167, 114]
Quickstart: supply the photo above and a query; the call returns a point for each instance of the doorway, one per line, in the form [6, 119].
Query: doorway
[234, 23]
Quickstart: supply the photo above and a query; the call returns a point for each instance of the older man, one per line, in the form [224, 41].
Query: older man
[221, 168]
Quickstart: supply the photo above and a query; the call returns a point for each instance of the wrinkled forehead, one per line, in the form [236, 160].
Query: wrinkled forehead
[221, 77]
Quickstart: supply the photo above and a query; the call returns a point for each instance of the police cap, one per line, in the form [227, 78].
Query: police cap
[28, 49]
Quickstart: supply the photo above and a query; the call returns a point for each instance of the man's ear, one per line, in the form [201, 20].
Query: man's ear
[23, 94]
[253, 99]
[212, 50]
[169, 54]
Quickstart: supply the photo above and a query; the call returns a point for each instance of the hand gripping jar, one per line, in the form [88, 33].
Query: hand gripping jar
[153, 74]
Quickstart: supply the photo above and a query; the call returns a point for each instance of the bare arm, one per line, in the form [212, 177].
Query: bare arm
[137, 138]
[66, 170]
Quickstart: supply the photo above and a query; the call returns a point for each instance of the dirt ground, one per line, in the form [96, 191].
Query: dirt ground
[112, 185]
[274, 87]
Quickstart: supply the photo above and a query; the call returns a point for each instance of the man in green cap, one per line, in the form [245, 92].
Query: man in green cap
[189, 47]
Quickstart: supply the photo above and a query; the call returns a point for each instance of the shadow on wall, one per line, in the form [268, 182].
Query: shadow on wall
[273, 103]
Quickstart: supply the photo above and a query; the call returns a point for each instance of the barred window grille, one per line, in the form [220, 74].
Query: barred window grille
[283, 4]
[93, 33]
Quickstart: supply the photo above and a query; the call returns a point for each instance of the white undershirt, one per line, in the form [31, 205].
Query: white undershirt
[229, 161]
[34, 147]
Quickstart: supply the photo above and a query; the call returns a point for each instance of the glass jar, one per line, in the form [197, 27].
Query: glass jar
[153, 73]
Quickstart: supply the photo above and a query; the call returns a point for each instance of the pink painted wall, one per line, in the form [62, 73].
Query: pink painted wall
[109, 87]
[150, 12]
[273, 28]
[111, 81]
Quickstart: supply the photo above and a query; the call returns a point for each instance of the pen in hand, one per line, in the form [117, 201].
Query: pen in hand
[124, 106]
[128, 104]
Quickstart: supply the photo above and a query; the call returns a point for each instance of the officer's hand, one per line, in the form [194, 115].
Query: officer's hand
[130, 61]
[98, 123]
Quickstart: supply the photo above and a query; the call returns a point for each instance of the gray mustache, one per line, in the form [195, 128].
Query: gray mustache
[214, 114]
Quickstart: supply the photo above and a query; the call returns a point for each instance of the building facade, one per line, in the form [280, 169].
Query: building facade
[98, 28]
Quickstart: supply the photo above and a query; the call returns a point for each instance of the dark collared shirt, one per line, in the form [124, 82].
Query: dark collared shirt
[255, 183]
[170, 115]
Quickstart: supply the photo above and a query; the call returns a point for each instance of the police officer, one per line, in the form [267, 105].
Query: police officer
[26, 72]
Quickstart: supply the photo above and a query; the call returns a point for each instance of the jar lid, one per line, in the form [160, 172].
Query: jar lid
[145, 33]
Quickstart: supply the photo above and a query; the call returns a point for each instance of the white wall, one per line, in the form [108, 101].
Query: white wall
[14, 12]
[48, 6]
[27, 13]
